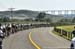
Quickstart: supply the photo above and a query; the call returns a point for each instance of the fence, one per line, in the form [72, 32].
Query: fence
[63, 33]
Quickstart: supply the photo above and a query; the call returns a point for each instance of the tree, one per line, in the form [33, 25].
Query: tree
[5, 19]
[65, 20]
[0, 19]
[40, 16]
[73, 20]
[48, 20]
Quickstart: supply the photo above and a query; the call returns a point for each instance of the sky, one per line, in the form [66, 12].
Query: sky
[37, 5]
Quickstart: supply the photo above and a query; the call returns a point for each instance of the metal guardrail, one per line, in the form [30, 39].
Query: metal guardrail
[63, 33]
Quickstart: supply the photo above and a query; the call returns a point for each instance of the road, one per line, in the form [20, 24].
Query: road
[19, 40]
[47, 40]
[42, 36]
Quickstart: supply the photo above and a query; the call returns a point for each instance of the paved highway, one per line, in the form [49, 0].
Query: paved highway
[41, 36]
[19, 40]
[47, 40]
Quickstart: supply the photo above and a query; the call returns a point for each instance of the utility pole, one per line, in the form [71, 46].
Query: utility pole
[11, 12]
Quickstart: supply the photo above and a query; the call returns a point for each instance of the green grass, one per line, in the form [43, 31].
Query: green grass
[68, 28]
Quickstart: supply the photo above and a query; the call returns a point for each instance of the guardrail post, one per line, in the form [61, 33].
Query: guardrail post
[61, 32]
[67, 35]
[71, 35]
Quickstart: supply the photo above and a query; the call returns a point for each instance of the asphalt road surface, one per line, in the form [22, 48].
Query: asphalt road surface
[42, 36]
[47, 40]
[19, 40]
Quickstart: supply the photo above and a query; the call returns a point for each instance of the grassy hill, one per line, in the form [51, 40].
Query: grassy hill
[26, 14]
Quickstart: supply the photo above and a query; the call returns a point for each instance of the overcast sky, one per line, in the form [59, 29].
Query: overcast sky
[38, 4]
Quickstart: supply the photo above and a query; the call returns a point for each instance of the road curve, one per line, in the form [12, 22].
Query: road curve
[42, 36]
[33, 42]
[47, 40]
[19, 40]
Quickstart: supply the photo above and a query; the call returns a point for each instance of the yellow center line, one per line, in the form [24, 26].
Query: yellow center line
[30, 38]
